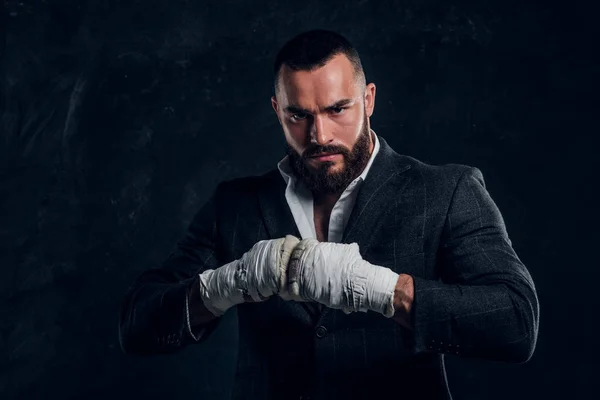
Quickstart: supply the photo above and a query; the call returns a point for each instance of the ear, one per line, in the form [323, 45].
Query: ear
[275, 106]
[370, 99]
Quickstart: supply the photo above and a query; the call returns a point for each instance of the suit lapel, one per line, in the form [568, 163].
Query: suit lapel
[374, 202]
[277, 216]
[384, 182]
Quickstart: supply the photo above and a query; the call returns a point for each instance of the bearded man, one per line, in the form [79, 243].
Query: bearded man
[353, 270]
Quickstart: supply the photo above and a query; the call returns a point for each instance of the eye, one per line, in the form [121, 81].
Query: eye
[298, 116]
[338, 110]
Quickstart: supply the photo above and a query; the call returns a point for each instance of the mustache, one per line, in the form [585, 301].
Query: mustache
[317, 150]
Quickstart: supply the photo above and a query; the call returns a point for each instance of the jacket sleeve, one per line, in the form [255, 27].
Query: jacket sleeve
[485, 304]
[153, 316]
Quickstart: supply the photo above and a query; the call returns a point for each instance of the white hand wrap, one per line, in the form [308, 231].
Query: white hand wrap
[336, 275]
[259, 273]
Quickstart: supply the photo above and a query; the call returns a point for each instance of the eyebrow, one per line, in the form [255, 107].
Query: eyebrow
[292, 108]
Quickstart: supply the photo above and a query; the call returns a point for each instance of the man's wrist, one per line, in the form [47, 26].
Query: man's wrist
[379, 288]
[196, 314]
[198, 335]
[403, 300]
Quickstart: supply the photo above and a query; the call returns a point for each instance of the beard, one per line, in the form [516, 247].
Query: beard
[319, 180]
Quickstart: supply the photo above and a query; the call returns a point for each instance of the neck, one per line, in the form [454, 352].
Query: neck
[326, 200]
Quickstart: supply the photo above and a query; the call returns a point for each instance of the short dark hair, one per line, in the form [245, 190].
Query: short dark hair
[313, 49]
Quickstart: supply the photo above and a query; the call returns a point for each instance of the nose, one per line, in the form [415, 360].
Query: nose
[318, 132]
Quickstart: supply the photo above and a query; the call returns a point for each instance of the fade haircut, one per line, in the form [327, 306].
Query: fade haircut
[312, 50]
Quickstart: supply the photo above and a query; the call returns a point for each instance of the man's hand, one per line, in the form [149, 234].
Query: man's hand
[257, 275]
[262, 271]
[335, 274]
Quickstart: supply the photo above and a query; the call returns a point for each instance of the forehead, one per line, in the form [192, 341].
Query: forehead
[322, 86]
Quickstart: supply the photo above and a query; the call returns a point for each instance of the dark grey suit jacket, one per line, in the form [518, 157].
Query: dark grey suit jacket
[473, 296]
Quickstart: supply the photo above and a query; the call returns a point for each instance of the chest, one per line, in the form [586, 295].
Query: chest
[321, 221]
[396, 229]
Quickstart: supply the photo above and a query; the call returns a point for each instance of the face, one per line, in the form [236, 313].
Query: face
[325, 114]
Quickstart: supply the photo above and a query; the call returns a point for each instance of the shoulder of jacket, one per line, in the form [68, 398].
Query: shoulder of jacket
[427, 171]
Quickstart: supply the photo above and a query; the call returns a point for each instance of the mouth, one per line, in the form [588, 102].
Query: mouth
[325, 156]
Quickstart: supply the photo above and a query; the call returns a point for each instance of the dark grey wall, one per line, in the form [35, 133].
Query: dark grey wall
[118, 118]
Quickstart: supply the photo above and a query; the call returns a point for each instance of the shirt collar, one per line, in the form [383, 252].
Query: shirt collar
[287, 173]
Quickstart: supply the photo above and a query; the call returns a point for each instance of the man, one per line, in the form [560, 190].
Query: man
[354, 270]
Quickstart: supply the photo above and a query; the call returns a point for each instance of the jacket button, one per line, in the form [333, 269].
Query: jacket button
[321, 331]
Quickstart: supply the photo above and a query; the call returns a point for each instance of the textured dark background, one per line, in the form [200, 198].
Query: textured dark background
[118, 118]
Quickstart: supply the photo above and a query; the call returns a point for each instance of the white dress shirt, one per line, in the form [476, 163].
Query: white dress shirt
[300, 200]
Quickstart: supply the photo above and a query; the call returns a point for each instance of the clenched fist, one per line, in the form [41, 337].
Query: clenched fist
[336, 275]
[257, 275]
